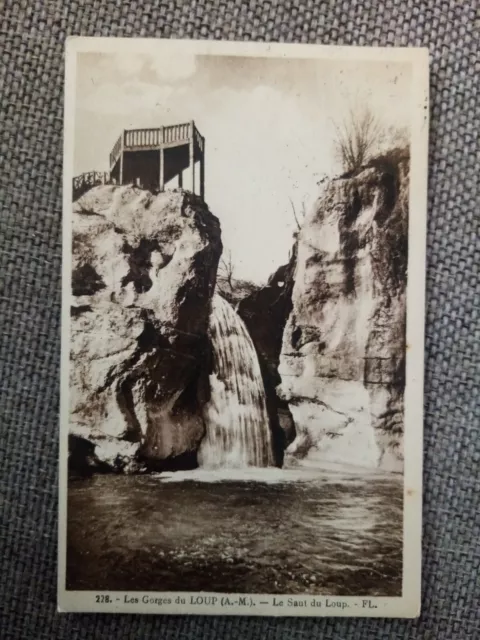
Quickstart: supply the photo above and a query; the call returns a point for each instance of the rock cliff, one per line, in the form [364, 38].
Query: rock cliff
[342, 360]
[143, 274]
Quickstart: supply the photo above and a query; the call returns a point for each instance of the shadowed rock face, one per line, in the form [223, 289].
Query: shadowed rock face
[143, 275]
[342, 362]
[265, 314]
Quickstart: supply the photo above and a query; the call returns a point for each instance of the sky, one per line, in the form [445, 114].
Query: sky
[268, 125]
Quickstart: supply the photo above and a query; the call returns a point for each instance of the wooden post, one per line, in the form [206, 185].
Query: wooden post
[161, 179]
[180, 180]
[202, 170]
[120, 168]
[192, 154]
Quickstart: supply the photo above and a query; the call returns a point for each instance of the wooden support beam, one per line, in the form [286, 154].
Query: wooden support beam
[192, 154]
[180, 180]
[202, 171]
[120, 165]
[161, 177]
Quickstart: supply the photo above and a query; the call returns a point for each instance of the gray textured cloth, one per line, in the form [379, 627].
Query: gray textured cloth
[32, 42]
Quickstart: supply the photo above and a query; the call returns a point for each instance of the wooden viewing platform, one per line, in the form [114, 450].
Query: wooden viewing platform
[153, 157]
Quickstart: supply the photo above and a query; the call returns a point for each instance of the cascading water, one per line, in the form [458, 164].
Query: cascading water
[236, 418]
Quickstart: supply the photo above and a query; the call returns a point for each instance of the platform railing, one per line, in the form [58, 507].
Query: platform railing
[148, 138]
[198, 139]
[82, 183]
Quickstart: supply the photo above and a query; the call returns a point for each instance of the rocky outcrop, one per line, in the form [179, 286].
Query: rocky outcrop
[342, 362]
[143, 274]
[265, 312]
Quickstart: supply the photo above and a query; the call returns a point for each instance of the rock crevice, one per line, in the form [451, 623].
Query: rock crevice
[265, 313]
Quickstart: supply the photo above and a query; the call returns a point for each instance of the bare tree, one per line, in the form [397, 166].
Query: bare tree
[357, 137]
[398, 137]
[225, 274]
[295, 214]
[299, 218]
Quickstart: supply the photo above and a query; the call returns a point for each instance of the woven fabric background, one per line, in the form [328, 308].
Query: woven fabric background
[32, 43]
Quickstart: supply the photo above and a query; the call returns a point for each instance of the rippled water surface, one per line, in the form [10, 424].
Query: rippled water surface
[265, 531]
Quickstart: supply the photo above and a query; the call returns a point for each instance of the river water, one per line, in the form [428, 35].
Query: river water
[331, 532]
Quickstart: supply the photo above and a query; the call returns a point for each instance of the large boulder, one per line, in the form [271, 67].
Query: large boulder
[342, 365]
[143, 274]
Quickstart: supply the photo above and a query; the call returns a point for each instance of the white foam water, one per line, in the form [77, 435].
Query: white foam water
[326, 473]
[236, 418]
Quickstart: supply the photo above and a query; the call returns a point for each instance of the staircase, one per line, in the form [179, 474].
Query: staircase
[85, 181]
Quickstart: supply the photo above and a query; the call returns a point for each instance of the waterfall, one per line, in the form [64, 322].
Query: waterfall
[236, 418]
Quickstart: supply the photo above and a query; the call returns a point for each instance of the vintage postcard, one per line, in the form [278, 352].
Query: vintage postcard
[242, 335]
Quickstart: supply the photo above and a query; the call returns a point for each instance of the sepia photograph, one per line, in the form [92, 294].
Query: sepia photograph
[242, 339]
